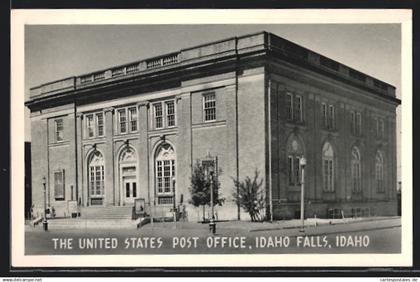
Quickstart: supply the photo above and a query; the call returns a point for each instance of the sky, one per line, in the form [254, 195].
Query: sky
[54, 52]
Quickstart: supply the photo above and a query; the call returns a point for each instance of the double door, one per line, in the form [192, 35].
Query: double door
[130, 189]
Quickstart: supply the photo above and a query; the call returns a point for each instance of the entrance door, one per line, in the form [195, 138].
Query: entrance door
[130, 190]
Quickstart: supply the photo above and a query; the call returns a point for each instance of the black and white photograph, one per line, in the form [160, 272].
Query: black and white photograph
[212, 142]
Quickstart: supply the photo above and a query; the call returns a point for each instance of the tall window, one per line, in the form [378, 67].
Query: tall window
[100, 124]
[379, 172]
[127, 120]
[289, 106]
[380, 128]
[90, 126]
[294, 107]
[158, 115]
[94, 125]
[96, 175]
[328, 116]
[165, 174]
[356, 123]
[164, 114]
[209, 106]
[331, 117]
[294, 154]
[170, 113]
[59, 193]
[132, 115]
[298, 108]
[328, 167]
[59, 130]
[122, 121]
[356, 170]
[324, 115]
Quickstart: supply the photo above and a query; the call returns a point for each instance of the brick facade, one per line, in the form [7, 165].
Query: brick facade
[112, 143]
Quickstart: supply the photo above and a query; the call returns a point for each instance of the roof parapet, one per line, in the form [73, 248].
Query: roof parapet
[224, 48]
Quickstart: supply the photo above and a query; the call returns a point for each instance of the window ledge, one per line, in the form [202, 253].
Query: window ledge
[209, 124]
[60, 143]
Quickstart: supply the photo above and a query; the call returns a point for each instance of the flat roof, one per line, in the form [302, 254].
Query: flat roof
[233, 46]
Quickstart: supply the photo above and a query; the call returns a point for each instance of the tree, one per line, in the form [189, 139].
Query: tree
[200, 188]
[250, 196]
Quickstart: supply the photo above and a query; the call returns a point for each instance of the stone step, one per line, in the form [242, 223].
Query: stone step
[106, 212]
[79, 223]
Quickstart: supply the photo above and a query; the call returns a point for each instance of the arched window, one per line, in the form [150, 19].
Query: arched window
[165, 174]
[128, 175]
[294, 154]
[96, 178]
[355, 170]
[379, 172]
[328, 167]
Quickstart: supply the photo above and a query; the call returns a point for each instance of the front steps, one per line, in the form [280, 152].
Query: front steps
[111, 212]
[80, 223]
[97, 218]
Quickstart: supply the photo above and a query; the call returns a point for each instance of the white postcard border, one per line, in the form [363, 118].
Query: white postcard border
[23, 17]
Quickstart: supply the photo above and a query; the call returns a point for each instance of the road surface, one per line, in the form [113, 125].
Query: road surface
[372, 236]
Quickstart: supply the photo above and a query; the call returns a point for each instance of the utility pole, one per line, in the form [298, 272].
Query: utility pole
[44, 221]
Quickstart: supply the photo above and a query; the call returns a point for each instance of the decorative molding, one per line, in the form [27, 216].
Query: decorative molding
[143, 103]
[109, 109]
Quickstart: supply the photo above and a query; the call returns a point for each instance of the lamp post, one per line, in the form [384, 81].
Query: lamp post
[210, 168]
[44, 221]
[174, 201]
[302, 163]
[212, 224]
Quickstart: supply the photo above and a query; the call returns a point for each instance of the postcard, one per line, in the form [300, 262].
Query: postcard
[211, 138]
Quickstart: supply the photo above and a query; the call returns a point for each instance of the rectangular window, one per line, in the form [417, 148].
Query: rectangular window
[158, 115]
[382, 128]
[100, 124]
[356, 177]
[170, 114]
[59, 185]
[359, 123]
[289, 106]
[326, 178]
[298, 108]
[133, 118]
[353, 122]
[90, 126]
[167, 176]
[210, 107]
[377, 127]
[330, 176]
[159, 176]
[324, 115]
[331, 117]
[122, 121]
[59, 130]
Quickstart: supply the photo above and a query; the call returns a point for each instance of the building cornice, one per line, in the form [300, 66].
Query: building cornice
[201, 59]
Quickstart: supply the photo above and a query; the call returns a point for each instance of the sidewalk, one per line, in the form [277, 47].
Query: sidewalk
[287, 226]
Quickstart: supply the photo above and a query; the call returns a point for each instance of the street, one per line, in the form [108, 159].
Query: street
[369, 236]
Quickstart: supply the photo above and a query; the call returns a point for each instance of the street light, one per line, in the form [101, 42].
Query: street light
[174, 199]
[302, 163]
[212, 224]
[44, 221]
[210, 168]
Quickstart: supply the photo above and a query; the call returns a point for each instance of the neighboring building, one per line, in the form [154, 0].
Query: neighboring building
[256, 101]
[28, 180]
